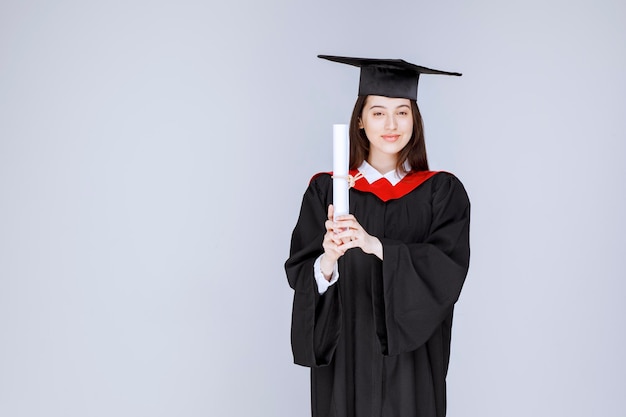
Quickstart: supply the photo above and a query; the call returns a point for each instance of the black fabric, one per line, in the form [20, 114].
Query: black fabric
[378, 341]
[388, 82]
[387, 77]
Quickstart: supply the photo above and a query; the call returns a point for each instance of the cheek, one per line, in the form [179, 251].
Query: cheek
[371, 125]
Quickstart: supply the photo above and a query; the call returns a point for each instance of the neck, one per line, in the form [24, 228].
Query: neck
[383, 163]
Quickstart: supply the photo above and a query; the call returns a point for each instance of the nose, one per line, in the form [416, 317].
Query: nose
[390, 122]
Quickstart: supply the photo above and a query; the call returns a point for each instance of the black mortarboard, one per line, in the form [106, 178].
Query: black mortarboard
[387, 77]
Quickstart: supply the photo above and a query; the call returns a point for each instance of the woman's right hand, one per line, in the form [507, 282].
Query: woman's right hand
[331, 246]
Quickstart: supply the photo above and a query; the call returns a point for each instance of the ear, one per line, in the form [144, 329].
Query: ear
[360, 123]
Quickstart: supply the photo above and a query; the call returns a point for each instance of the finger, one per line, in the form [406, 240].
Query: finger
[334, 249]
[331, 212]
[346, 217]
[344, 247]
[334, 227]
[346, 236]
[331, 237]
[348, 224]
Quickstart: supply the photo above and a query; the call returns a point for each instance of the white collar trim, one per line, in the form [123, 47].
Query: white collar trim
[372, 175]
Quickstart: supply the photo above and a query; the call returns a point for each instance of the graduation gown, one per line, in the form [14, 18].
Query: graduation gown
[378, 341]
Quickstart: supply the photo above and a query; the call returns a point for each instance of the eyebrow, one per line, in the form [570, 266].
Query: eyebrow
[383, 107]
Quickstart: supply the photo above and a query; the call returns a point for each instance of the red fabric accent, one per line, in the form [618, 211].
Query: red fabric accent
[383, 189]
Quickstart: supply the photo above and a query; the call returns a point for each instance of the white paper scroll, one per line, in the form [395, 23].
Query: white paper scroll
[341, 154]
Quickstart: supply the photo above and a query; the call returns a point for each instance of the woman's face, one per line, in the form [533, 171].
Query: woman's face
[388, 125]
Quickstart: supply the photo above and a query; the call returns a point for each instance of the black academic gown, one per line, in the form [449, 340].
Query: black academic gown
[378, 341]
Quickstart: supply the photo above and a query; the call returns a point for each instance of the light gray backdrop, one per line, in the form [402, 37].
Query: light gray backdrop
[153, 155]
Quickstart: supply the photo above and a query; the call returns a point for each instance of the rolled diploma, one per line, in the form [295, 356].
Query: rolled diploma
[341, 153]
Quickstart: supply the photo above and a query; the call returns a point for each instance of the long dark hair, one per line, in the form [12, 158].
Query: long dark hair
[414, 152]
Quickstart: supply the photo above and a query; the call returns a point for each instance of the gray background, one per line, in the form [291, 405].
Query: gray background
[153, 156]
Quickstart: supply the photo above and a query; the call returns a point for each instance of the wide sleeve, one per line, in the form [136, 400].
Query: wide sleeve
[316, 319]
[422, 281]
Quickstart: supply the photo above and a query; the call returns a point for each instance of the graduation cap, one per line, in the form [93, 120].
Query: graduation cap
[387, 77]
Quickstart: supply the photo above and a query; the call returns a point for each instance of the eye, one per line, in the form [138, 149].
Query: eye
[403, 113]
[377, 113]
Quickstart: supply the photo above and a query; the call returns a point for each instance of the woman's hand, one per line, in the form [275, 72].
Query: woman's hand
[342, 234]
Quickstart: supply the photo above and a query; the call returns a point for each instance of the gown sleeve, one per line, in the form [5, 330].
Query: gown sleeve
[315, 324]
[422, 281]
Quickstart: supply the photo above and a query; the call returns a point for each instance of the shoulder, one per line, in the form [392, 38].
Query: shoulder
[446, 176]
[321, 177]
[446, 184]
[320, 184]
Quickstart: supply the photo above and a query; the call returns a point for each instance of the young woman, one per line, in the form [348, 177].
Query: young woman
[374, 290]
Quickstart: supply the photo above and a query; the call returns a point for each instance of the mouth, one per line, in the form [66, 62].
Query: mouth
[390, 138]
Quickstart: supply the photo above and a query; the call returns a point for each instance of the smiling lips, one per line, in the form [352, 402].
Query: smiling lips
[391, 138]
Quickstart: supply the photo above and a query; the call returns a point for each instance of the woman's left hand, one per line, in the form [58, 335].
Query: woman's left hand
[353, 235]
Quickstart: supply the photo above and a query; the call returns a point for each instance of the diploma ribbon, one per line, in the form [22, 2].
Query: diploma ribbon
[352, 179]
